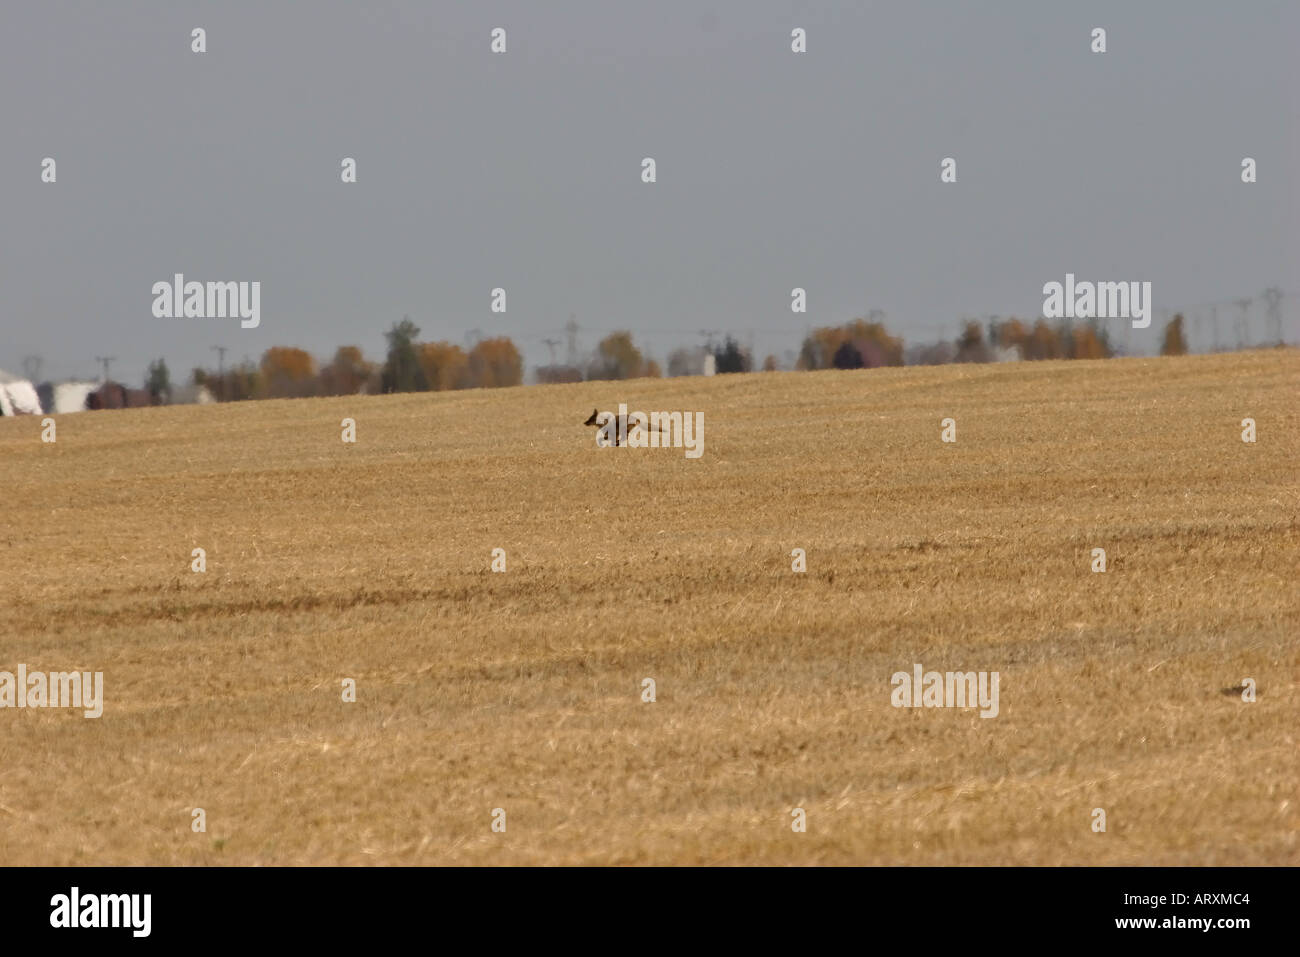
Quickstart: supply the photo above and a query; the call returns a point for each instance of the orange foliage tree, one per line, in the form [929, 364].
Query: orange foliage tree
[494, 363]
[1011, 334]
[1088, 343]
[873, 342]
[1042, 342]
[347, 374]
[444, 364]
[288, 372]
[1175, 343]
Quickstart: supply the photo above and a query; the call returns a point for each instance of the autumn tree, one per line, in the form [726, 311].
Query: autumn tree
[444, 365]
[970, 345]
[616, 358]
[495, 363]
[1088, 342]
[287, 372]
[870, 340]
[347, 374]
[1175, 342]
[1010, 334]
[1042, 342]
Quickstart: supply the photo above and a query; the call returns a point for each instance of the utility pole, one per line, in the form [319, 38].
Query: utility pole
[104, 361]
[571, 330]
[221, 372]
[1243, 329]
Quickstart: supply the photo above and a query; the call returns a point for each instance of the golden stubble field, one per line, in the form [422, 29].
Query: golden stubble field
[479, 690]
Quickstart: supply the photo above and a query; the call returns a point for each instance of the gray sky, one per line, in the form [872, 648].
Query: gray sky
[522, 170]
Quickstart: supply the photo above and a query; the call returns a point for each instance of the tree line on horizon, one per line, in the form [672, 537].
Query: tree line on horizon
[414, 366]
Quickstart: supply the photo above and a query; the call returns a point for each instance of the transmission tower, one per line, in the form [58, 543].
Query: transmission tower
[1272, 302]
[32, 367]
[104, 361]
[551, 344]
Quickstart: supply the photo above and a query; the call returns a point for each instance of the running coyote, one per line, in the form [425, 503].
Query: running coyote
[612, 422]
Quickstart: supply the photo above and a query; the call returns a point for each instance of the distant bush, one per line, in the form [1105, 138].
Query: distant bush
[236, 384]
[552, 374]
[931, 354]
[1175, 342]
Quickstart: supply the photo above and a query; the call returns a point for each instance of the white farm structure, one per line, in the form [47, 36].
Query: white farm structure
[17, 396]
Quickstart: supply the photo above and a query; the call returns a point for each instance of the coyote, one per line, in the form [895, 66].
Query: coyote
[656, 430]
[592, 421]
[613, 433]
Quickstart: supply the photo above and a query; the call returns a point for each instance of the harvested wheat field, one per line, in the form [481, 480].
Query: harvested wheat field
[522, 690]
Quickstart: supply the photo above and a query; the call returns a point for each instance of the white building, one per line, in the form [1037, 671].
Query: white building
[71, 396]
[18, 396]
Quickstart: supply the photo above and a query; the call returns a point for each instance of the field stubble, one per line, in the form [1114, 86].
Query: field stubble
[522, 690]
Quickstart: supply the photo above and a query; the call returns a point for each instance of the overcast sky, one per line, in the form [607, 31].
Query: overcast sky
[523, 170]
